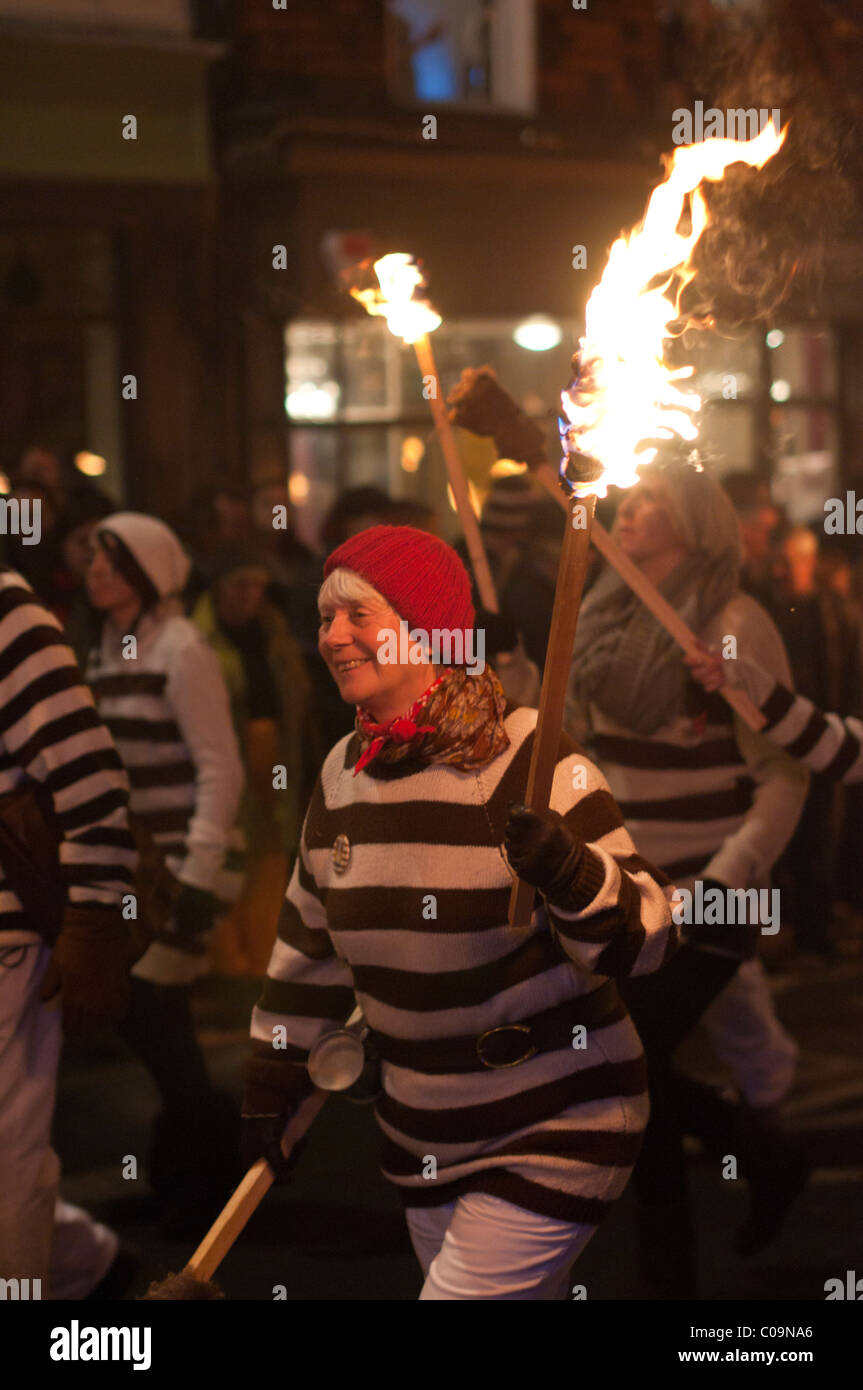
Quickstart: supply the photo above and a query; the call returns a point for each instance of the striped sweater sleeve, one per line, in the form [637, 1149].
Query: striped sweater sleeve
[826, 743]
[618, 919]
[50, 730]
[308, 990]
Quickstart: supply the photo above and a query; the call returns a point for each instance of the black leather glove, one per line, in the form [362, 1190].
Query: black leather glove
[738, 939]
[195, 912]
[501, 633]
[543, 851]
[272, 1094]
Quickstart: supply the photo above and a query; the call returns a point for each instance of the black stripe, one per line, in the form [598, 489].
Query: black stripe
[419, 822]
[459, 989]
[704, 806]
[146, 730]
[95, 810]
[105, 760]
[96, 873]
[472, 1123]
[53, 682]
[386, 908]
[109, 836]
[54, 731]
[34, 639]
[14, 596]
[307, 1001]
[605, 1148]
[312, 942]
[777, 705]
[595, 815]
[550, 1031]
[133, 683]
[166, 822]
[641, 753]
[161, 775]
[308, 884]
[806, 740]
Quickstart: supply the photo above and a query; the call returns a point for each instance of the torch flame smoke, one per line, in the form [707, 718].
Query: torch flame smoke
[399, 279]
[625, 395]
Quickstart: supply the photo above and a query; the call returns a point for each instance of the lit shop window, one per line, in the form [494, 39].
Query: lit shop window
[470, 53]
[727, 377]
[357, 417]
[802, 386]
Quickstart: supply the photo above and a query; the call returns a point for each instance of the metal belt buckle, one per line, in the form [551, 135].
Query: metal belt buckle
[505, 1028]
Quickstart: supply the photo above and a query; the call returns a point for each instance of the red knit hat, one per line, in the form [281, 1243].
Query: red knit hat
[420, 576]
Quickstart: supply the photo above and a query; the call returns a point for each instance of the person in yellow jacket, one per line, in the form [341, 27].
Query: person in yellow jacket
[271, 703]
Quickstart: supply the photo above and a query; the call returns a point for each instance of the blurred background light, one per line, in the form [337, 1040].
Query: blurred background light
[538, 333]
[91, 465]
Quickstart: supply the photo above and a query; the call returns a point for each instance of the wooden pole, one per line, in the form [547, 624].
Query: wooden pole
[247, 1197]
[571, 575]
[457, 480]
[653, 599]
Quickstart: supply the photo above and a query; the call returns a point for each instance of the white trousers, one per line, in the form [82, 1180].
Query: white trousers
[41, 1237]
[747, 1036]
[483, 1247]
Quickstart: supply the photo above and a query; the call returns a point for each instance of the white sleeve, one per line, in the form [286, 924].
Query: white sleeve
[746, 857]
[199, 697]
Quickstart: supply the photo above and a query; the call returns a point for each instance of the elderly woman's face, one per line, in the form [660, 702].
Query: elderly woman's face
[644, 526]
[350, 638]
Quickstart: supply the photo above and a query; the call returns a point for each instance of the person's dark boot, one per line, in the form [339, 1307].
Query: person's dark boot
[777, 1169]
[666, 1250]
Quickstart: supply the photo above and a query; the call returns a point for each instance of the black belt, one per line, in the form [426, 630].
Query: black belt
[509, 1044]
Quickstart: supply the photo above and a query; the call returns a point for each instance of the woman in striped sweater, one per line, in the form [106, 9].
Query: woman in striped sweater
[160, 690]
[513, 1095]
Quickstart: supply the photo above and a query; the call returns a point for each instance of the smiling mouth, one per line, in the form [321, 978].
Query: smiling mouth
[343, 666]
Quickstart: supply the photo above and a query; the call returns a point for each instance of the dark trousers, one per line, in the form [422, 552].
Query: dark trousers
[665, 1007]
[195, 1142]
[160, 1029]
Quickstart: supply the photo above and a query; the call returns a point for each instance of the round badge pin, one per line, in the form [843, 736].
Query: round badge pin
[341, 853]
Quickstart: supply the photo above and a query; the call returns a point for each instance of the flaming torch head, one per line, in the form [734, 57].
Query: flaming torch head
[625, 401]
[392, 288]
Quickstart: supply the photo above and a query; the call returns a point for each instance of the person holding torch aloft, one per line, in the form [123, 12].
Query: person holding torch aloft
[513, 1090]
[708, 800]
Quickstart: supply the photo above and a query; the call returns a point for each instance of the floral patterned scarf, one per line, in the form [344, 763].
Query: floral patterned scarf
[462, 724]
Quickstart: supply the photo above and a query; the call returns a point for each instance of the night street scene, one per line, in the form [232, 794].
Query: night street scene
[431, 675]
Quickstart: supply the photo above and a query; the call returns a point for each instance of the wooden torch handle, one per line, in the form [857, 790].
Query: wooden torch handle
[571, 575]
[247, 1197]
[658, 605]
[457, 480]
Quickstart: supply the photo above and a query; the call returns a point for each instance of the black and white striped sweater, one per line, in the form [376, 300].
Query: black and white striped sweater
[415, 928]
[50, 733]
[828, 744]
[706, 797]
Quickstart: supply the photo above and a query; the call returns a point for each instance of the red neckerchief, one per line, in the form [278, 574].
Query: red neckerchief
[402, 729]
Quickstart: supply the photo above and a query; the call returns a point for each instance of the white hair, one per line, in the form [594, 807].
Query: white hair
[346, 586]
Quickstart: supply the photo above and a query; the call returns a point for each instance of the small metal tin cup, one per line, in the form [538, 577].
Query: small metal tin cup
[336, 1061]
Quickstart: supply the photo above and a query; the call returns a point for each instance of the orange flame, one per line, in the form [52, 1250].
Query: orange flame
[626, 395]
[399, 278]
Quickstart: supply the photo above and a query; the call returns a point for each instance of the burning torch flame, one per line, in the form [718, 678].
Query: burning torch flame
[625, 395]
[399, 279]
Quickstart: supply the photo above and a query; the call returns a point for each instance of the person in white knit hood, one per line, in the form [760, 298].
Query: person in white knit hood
[159, 688]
